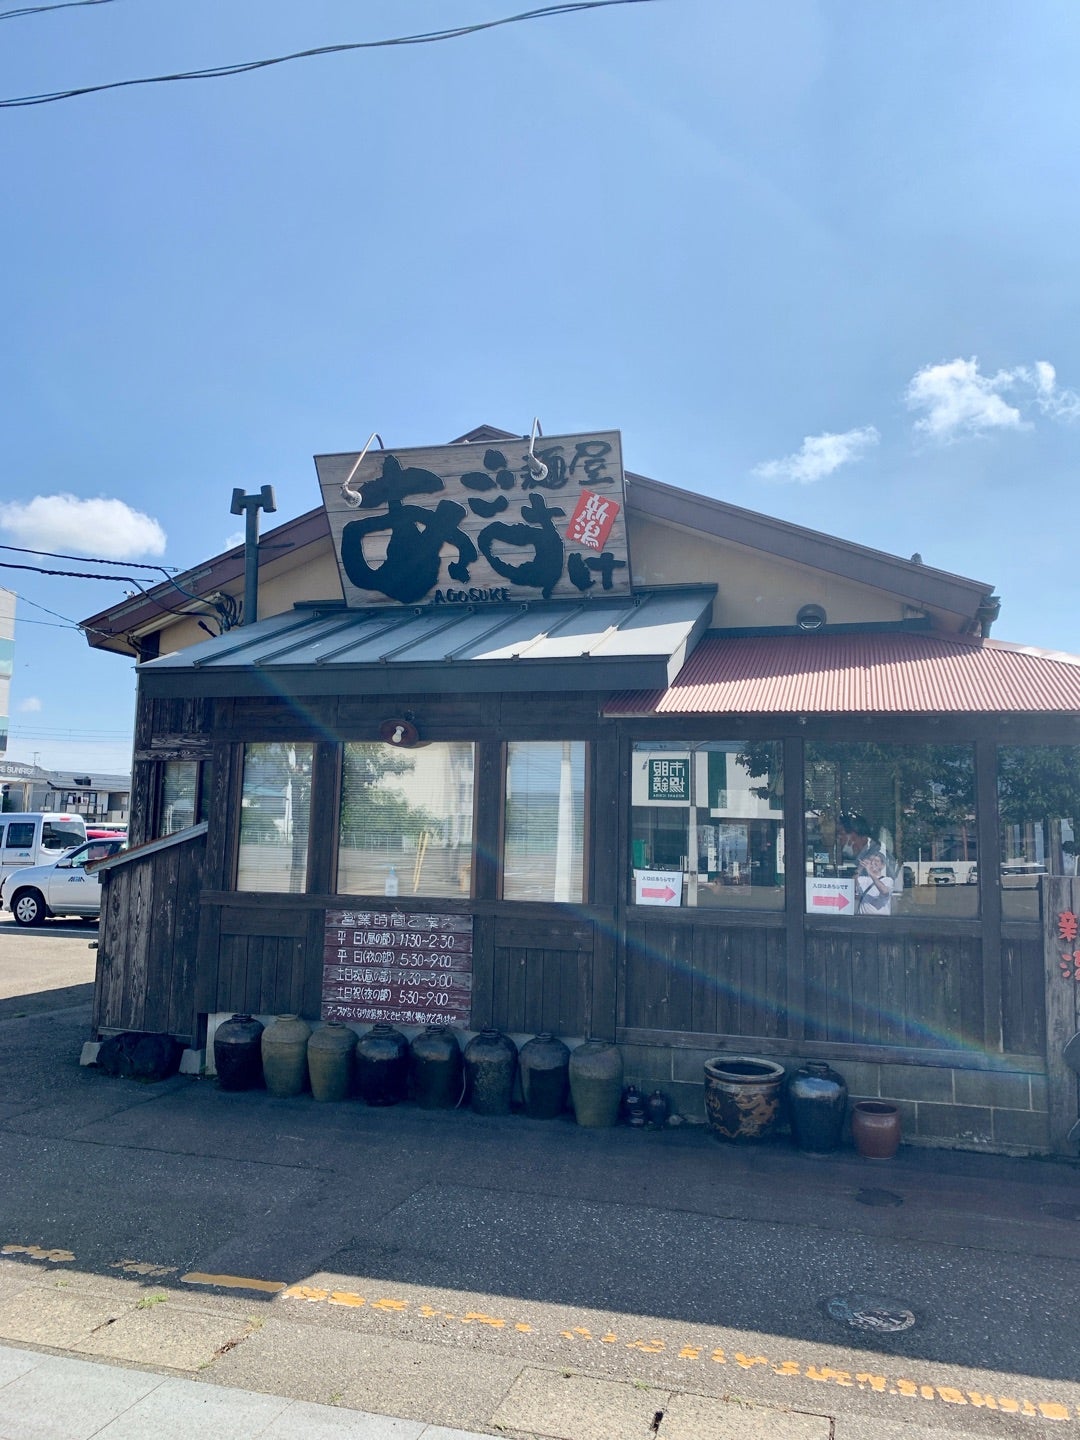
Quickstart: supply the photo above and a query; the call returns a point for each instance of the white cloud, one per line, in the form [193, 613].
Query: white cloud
[107, 528]
[31, 705]
[957, 401]
[236, 538]
[820, 455]
[1059, 404]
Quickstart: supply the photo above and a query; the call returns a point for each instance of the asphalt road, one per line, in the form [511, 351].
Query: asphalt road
[513, 1276]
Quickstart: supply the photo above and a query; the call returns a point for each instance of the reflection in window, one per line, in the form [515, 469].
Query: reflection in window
[1039, 813]
[544, 832]
[406, 823]
[179, 783]
[275, 809]
[707, 824]
[890, 829]
[185, 794]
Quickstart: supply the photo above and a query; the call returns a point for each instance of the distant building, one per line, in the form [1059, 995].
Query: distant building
[97, 797]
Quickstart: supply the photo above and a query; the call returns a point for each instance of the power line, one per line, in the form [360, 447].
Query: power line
[569, 7]
[40, 9]
[91, 559]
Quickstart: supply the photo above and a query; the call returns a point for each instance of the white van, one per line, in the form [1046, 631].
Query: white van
[37, 838]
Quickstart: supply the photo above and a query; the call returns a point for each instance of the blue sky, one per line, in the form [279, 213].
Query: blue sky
[813, 259]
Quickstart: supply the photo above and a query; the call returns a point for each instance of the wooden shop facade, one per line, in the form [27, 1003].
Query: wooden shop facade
[516, 738]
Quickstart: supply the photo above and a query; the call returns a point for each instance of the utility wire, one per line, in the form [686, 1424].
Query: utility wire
[40, 9]
[569, 7]
[91, 559]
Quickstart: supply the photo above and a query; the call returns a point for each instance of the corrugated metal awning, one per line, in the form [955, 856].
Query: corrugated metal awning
[594, 644]
[868, 673]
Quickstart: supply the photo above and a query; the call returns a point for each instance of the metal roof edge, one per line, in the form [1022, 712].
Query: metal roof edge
[152, 847]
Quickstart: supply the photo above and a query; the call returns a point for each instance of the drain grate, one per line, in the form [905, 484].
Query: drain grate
[880, 1314]
[878, 1197]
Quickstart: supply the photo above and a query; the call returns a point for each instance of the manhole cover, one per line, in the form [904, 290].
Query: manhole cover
[878, 1197]
[877, 1313]
[1061, 1210]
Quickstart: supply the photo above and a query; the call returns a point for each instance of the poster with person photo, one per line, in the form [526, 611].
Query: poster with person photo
[877, 874]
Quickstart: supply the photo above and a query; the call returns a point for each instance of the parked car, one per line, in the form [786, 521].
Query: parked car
[941, 875]
[68, 886]
[1021, 874]
[37, 837]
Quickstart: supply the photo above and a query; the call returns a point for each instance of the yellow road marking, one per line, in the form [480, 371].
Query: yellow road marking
[902, 1386]
[233, 1282]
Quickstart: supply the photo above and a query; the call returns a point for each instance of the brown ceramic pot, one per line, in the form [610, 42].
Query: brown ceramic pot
[875, 1128]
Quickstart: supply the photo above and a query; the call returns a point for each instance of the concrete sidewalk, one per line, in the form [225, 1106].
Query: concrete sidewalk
[50, 1397]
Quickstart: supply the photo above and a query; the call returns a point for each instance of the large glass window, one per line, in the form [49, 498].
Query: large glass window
[1039, 812]
[544, 829]
[275, 813]
[890, 829]
[707, 824]
[406, 823]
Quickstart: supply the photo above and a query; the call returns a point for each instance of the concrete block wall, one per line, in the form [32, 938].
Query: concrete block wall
[1005, 1112]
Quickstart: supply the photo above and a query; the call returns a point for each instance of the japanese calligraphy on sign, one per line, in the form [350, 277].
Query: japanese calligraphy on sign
[669, 779]
[476, 524]
[394, 969]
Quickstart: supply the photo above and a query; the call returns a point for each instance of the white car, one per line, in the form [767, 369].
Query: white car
[68, 886]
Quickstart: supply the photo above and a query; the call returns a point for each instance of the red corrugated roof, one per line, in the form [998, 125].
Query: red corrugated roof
[880, 673]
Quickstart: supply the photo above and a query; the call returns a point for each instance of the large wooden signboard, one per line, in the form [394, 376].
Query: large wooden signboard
[396, 969]
[479, 524]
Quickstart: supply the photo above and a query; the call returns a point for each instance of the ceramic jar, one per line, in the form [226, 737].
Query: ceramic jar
[490, 1067]
[545, 1076]
[382, 1066]
[657, 1110]
[330, 1052]
[817, 1107]
[284, 1056]
[742, 1096]
[436, 1068]
[238, 1053]
[596, 1083]
[875, 1128]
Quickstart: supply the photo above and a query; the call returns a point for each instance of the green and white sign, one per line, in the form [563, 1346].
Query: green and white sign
[669, 779]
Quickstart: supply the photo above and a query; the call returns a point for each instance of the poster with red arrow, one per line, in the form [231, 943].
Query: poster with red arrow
[657, 887]
[830, 897]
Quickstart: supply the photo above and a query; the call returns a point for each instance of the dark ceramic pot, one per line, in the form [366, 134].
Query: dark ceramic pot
[490, 1067]
[382, 1066]
[238, 1053]
[657, 1109]
[435, 1068]
[742, 1096]
[545, 1076]
[817, 1107]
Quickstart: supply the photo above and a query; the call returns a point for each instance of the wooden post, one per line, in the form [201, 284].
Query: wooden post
[1061, 949]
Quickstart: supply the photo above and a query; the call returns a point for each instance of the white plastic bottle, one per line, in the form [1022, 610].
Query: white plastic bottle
[391, 886]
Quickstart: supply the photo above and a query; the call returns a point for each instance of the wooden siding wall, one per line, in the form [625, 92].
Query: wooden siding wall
[908, 987]
[705, 978]
[905, 990]
[148, 943]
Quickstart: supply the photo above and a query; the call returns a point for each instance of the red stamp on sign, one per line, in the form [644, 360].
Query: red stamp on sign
[591, 522]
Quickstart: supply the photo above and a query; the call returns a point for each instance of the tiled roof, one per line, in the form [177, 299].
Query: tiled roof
[869, 672]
